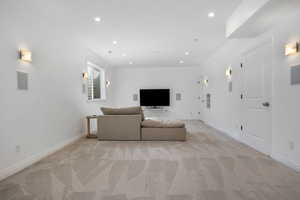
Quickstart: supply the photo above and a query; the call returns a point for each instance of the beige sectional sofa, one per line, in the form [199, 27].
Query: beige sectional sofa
[129, 124]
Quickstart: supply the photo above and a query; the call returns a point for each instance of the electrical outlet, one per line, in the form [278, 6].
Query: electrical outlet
[18, 148]
[292, 146]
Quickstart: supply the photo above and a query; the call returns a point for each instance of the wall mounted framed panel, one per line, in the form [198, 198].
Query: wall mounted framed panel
[22, 81]
[295, 75]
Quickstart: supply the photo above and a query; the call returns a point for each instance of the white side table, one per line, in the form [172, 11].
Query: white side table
[88, 120]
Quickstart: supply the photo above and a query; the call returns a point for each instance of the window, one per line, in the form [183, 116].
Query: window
[95, 82]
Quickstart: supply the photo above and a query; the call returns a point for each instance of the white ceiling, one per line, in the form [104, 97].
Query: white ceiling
[150, 32]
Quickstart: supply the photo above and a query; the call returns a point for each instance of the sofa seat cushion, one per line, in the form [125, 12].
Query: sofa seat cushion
[123, 111]
[149, 123]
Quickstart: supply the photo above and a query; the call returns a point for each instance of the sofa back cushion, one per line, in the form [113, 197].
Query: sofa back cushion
[136, 110]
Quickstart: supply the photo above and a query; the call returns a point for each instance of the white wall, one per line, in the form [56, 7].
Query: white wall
[226, 110]
[51, 113]
[179, 79]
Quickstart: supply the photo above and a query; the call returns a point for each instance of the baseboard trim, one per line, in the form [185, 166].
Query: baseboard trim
[19, 166]
[282, 159]
[277, 157]
[225, 132]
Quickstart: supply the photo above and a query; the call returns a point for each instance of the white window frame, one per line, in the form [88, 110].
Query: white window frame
[102, 82]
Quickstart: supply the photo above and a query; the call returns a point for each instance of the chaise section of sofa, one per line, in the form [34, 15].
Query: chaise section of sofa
[163, 134]
[153, 130]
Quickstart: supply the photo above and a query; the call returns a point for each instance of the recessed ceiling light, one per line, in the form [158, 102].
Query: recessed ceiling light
[124, 54]
[211, 15]
[130, 63]
[115, 42]
[181, 61]
[97, 19]
[187, 53]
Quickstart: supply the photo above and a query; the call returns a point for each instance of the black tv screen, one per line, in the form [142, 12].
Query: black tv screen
[154, 97]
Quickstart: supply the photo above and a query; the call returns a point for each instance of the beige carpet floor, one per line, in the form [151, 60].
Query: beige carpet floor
[209, 166]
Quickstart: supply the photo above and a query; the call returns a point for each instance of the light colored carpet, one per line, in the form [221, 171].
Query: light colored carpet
[209, 166]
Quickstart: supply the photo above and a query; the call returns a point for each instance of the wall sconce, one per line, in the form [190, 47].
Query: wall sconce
[85, 76]
[25, 55]
[228, 73]
[205, 81]
[291, 49]
[107, 83]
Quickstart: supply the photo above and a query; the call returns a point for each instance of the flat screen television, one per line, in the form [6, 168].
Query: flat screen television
[154, 97]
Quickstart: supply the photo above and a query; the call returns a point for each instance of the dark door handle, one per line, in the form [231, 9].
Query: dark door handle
[266, 104]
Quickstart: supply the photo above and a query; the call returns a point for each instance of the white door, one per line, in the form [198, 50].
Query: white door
[256, 98]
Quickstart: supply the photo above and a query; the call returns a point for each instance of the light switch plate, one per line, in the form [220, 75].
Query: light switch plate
[230, 86]
[83, 88]
[22, 81]
[208, 101]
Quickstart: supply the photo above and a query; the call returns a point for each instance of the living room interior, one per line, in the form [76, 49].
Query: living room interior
[146, 100]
